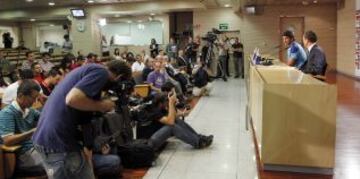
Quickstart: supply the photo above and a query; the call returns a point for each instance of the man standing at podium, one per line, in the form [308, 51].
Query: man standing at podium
[296, 55]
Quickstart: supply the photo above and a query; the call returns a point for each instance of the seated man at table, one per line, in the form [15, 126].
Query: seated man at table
[17, 125]
[296, 55]
[316, 63]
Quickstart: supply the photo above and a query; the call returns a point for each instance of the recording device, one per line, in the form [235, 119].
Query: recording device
[120, 91]
[211, 36]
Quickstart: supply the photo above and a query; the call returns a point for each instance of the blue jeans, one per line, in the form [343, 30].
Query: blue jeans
[107, 165]
[66, 165]
[180, 130]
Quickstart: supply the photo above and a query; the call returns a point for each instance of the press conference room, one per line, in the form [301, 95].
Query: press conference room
[166, 89]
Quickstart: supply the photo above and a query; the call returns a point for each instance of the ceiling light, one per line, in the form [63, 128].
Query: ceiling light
[227, 5]
[52, 25]
[32, 20]
[51, 4]
[129, 22]
[90, 1]
[152, 14]
[315, 1]
[305, 3]
[29, 0]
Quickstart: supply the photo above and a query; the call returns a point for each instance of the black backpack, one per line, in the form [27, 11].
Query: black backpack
[112, 128]
[136, 154]
[201, 78]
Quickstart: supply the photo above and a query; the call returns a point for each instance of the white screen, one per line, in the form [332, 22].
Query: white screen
[78, 12]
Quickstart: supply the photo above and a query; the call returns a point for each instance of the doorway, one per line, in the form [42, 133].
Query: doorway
[295, 24]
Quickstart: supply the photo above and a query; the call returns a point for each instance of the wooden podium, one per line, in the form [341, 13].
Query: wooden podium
[293, 117]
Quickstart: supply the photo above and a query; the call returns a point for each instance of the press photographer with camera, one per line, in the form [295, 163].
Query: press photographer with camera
[165, 123]
[76, 97]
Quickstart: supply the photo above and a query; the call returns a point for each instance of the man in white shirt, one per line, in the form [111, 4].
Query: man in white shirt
[45, 64]
[137, 68]
[10, 92]
[67, 46]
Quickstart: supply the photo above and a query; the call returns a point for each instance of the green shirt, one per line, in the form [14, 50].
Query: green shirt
[14, 121]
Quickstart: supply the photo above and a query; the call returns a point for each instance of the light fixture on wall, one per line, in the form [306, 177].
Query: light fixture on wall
[141, 26]
[305, 3]
[227, 5]
[102, 22]
[29, 0]
[91, 1]
[51, 3]
[32, 20]
[152, 14]
[315, 1]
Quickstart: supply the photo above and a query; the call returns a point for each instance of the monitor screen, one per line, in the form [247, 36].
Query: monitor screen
[78, 13]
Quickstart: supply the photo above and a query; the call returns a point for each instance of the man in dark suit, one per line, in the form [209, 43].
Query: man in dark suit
[316, 61]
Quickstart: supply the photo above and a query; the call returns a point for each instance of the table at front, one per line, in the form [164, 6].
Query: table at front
[294, 119]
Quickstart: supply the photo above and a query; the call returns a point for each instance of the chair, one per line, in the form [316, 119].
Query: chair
[143, 90]
[8, 165]
[322, 77]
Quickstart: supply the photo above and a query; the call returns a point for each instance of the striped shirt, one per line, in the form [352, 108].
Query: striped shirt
[15, 121]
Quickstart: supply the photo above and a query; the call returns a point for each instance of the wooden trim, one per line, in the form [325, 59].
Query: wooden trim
[356, 78]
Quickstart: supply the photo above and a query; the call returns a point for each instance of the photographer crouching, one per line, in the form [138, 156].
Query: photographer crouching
[164, 115]
[76, 97]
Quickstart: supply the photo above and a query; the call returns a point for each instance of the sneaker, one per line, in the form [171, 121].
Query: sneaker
[205, 141]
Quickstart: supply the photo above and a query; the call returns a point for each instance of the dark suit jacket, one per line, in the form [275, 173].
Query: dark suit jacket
[316, 62]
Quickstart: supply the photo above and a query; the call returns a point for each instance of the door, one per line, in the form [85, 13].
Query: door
[295, 24]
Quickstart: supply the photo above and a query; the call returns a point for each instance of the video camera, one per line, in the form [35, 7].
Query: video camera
[121, 90]
[211, 36]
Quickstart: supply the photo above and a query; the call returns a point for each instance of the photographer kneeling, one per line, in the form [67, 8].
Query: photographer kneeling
[165, 124]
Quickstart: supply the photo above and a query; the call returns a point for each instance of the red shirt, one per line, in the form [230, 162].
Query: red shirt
[39, 78]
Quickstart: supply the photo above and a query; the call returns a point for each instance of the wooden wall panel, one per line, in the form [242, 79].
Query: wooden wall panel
[346, 38]
[263, 30]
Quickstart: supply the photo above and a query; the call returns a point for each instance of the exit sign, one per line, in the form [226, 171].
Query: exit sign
[224, 26]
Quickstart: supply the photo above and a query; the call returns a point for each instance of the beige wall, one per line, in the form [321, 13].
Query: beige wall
[263, 30]
[346, 38]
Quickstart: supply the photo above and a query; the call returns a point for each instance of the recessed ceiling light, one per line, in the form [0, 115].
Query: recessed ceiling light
[90, 1]
[32, 20]
[305, 3]
[227, 5]
[51, 4]
[29, 0]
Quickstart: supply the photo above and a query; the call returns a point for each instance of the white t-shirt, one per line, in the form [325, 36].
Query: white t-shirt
[137, 67]
[10, 93]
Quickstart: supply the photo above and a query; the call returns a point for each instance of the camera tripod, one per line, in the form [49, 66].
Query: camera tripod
[220, 66]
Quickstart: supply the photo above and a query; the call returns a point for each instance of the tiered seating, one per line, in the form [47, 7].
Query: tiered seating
[18, 56]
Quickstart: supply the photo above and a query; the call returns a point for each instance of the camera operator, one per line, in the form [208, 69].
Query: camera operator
[223, 52]
[76, 97]
[238, 55]
[191, 50]
[166, 123]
